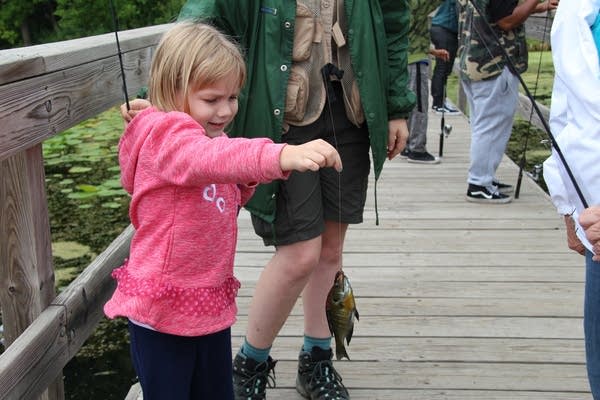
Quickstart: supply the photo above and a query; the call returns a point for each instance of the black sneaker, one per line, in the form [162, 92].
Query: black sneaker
[250, 378]
[317, 379]
[422, 157]
[445, 109]
[481, 194]
[404, 153]
[504, 188]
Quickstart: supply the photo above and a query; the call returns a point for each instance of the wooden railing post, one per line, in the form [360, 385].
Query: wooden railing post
[26, 271]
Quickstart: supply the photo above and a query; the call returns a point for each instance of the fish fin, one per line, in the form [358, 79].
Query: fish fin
[349, 335]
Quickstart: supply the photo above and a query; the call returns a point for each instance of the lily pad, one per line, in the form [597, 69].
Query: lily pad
[69, 250]
[79, 170]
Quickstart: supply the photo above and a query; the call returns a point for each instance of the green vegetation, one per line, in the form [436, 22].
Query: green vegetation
[88, 210]
[23, 23]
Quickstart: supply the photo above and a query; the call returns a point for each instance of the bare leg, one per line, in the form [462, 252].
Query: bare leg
[315, 292]
[278, 288]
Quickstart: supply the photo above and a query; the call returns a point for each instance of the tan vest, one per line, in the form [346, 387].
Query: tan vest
[319, 38]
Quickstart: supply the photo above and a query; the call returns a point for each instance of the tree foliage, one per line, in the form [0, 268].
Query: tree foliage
[23, 23]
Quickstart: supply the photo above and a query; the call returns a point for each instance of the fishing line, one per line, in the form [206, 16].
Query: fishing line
[116, 26]
[523, 159]
[326, 72]
[513, 69]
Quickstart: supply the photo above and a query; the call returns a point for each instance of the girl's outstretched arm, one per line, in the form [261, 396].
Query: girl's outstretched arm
[310, 156]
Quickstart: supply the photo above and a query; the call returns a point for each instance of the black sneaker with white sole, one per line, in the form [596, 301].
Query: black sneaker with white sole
[503, 188]
[422, 157]
[481, 194]
[445, 109]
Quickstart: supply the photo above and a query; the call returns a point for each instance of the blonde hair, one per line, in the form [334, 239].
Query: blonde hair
[191, 56]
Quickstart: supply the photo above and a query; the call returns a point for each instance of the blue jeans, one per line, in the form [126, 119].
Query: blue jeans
[591, 322]
[442, 38]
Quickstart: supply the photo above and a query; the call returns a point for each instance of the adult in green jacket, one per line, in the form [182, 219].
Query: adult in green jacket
[306, 217]
[378, 43]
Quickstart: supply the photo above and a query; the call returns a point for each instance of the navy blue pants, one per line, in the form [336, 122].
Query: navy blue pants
[172, 367]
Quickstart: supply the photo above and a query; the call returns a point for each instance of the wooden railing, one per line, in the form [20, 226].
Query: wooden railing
[45, 90]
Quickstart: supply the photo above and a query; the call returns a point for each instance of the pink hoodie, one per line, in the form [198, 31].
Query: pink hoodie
[186, 192]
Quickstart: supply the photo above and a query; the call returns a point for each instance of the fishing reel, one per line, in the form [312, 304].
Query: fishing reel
[536, 172]
[446, 130]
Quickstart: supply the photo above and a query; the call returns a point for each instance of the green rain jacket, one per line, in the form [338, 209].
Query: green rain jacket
[378, 40]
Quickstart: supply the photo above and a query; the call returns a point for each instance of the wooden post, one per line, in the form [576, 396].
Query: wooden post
[26, 270]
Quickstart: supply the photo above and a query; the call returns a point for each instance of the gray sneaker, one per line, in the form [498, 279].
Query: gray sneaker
[250, 378]
[317, 379]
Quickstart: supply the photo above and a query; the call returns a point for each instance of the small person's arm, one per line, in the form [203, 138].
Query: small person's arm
[310, 156]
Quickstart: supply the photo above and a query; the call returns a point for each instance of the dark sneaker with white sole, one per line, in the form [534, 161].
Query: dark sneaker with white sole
[481, 194]
[422, 157]
[504, 188]
[317, 379]
[251, 378]
[446, 109]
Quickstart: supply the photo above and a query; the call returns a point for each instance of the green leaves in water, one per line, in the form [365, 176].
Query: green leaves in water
[84, 161]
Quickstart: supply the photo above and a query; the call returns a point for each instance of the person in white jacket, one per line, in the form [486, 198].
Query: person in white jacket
[575, 124]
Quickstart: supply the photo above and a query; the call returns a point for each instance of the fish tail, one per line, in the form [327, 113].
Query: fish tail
[340, 352]
[340, 349]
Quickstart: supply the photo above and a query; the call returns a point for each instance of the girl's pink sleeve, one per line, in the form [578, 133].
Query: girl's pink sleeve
[183, 155]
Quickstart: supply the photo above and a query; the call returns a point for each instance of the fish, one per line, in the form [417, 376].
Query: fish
[340, 308]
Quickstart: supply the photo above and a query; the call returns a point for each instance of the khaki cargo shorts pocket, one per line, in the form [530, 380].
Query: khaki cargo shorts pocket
[304, 33]
[297, 95]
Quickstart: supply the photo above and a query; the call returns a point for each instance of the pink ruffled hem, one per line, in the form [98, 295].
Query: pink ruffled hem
[195, 302]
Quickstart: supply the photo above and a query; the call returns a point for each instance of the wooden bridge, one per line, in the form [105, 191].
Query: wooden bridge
[457, 300]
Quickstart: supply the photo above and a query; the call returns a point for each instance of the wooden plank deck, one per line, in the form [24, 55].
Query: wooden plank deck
[458, 301]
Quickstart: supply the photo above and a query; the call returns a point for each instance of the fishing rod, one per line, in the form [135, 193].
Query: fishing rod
[116, 26]
[444, 129]
[523, 160]
[537, 110]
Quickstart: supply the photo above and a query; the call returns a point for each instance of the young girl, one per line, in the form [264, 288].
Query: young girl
[188, 181]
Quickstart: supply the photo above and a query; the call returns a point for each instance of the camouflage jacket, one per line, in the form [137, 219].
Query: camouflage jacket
[479, 53]
[418, 35]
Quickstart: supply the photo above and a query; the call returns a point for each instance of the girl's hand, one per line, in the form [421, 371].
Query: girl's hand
[135, 106]
[310, 156]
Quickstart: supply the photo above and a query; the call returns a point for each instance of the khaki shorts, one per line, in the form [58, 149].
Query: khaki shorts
[306, 199]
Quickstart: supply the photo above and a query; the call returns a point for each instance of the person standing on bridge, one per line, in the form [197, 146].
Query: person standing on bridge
[575, 124]
[188, 181]
[332, 69]
[490, 84]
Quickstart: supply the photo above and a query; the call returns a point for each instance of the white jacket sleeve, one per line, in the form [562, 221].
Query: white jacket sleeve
[575, 108]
